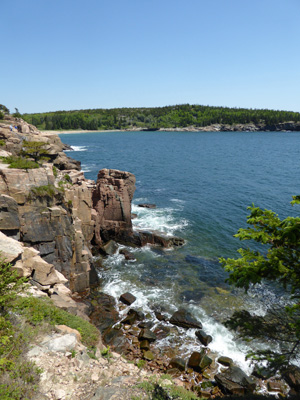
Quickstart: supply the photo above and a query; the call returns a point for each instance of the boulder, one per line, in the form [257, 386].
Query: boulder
[127, 254]
[127, 298]
[146, 334]
[184, 319]
[178, 363]
[235, 381]
[199, 361]
[62, 343]
[147, 205]
[227, 361]
[157, 238]
[10, 248]
[203, 337]
[292, 376]
[109, 248]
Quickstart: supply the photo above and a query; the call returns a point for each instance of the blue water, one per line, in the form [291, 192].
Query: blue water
[202, 184]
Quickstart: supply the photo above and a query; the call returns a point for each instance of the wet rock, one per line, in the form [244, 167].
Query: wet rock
[129, 319]
[146, 334]
[157, 238]
[184, 319]
[178, 363]
[292, 376]
[162, 331]
[147, 205]
[275, 386]
[109, 248]
[127, 298]
[199, 361]
[115, 338]
[127, 254]
[146, 324]
[145, 345]
[235, 381]
[227, 361]
[203, 337]
[104, 313]
[140, 316]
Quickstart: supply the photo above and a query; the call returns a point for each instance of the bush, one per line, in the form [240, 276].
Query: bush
[18, 376]
[19, 162]
[43, 191]
[38, 310]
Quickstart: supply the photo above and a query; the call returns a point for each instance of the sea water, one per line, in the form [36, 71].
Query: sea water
[201, 183]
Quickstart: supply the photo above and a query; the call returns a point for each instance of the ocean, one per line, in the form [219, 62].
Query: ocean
[202, 184]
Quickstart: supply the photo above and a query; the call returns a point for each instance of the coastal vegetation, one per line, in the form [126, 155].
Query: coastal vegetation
[278, 261]
[21, 320]
[177, 116]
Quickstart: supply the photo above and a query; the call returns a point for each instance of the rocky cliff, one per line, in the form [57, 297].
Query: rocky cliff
[48, 209]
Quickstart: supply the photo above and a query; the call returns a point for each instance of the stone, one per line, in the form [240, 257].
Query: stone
[59, 394]
[235, 381]
[199, 361]
[178, 363]
[184, 319]
[146, 334]
[10, 248]
[61, 344]
[147, 205]
[109, 248]
[227, 361]
[274, 386]
[203, 337]
[292, 376]
[145, 345]
[157, 238]
[66, 329]
[127, 254]
[127, 298]
[148, 355]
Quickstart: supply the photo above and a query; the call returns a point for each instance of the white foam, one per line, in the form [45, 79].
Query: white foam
[78, 148]
[160, 219]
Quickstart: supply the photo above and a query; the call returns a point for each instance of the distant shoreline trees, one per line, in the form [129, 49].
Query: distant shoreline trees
[178, 116]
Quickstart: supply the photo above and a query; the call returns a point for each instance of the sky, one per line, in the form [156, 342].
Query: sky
[74, 54]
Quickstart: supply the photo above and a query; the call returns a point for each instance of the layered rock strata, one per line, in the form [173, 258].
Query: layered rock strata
[49, 208]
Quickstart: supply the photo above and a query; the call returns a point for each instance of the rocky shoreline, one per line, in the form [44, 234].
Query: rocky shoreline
[251, 127]
[56, 226]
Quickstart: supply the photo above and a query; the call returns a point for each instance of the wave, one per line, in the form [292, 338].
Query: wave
[78, 148]
[159, 219]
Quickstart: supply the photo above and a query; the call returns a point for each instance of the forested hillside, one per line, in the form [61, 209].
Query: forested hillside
[178, 116]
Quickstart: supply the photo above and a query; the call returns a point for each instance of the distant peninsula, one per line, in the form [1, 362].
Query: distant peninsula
[183, 117]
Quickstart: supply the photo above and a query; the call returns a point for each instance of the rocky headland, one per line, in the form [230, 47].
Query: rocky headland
[53, 222]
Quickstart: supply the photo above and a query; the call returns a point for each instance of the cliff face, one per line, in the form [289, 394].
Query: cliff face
[112, 198]
[48, 209]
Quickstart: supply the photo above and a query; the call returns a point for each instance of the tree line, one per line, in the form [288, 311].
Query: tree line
[178, 116]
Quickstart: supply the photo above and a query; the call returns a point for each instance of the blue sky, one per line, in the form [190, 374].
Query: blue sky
[73, 54]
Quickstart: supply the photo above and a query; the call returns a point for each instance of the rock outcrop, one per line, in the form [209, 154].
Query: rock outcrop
[112, 202]
[48, 208]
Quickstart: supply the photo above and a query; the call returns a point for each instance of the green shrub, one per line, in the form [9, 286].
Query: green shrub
[34, 150]
[1, 115]
[19, 162]
[45, 190]
[2, 142]
[38, 310]
[55, 172]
